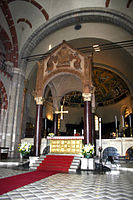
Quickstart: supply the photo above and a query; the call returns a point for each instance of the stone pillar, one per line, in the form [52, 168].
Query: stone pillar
[55, 120]
[87, 118]
[12, 138]
[22, 112]
[38, 125]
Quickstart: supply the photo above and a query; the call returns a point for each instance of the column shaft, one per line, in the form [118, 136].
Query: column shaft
[55, 119]
[37, 141]
[87, 122]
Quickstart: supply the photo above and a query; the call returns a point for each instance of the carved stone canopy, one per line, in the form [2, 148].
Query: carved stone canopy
[64, 59]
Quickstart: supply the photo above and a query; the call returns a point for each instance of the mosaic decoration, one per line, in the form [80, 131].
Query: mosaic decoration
[110, 89]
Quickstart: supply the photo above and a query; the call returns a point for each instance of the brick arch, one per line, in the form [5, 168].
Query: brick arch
[36, 4]
[25, 21]
[3, 97]
[5, 39]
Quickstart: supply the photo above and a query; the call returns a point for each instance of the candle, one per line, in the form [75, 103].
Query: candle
[123, 124]
[130, 123]
[74, 131]
[100, 138]
[82, 131]
[45, 123]
[115, 121]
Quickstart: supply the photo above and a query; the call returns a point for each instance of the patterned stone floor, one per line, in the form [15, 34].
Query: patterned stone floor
[114, 185]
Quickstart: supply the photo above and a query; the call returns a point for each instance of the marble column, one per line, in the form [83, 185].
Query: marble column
[55, 121]
[38, 125]
[87, 118]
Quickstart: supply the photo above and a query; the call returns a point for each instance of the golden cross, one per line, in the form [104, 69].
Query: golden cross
[61, 112]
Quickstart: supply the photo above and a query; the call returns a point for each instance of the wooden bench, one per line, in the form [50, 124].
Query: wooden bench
[4, 152]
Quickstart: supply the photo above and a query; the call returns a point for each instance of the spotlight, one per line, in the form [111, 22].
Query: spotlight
[77, 26]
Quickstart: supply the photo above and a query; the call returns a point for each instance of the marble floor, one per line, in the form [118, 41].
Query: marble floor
[114, 185]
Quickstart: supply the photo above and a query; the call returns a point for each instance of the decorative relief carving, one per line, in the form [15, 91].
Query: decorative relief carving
[87, 96]
[63, 58]
[77, 63]
[39, 100]
[50, 63]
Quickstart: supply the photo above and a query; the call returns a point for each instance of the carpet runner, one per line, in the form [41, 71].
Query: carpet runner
[13, 182]
[51, 165]
[57, 163]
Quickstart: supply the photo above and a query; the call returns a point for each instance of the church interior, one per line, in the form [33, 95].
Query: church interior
[63, 66]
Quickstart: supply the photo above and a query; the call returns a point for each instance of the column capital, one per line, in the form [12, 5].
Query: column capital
[39, 100]
[87, 96]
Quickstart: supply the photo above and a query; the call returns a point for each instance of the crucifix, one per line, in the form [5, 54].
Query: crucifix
[61, 112]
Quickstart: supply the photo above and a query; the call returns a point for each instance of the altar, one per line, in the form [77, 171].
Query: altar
[66, 144]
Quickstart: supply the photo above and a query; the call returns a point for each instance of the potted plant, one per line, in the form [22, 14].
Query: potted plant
[87, 162]
[88, 151]
[25, 149]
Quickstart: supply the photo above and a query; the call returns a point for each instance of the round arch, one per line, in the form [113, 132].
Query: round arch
[129, 152]
[58, 72]
[110, 152]
[72, 17]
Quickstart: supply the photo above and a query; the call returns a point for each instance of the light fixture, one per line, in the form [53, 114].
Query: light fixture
[77, 27]
[49, 47]
[96, 47]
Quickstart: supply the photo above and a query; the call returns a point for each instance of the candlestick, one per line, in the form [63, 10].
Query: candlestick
[100, 138]
[115, 121]
[130, 122]
[74, 131]
[123, 124]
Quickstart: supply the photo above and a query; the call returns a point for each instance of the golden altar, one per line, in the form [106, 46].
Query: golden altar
[66, 144]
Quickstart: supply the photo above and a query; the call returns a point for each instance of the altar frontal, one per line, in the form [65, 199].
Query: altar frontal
[66, 145]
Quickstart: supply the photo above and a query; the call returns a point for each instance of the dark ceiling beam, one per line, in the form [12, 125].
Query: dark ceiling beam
[128, 3]
[107, 3]
[86, 49]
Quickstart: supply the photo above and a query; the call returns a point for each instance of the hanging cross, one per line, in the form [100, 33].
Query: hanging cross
[61, 112]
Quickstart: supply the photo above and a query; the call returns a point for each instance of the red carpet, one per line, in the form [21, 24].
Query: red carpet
[11, 183]
[51, 165]
[57, 163]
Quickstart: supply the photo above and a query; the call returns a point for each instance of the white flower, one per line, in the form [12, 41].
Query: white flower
[25, 147]
[51, 134]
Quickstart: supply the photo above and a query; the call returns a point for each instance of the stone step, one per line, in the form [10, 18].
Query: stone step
[72, 170]
[74, 167]
[74, 160]
[36, 164]
[33, 168]
[39, 161]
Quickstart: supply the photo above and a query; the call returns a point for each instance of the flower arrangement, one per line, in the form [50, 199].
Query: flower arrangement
[25, 148]
[88, 151]
[51, 134]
